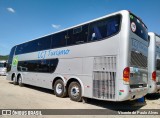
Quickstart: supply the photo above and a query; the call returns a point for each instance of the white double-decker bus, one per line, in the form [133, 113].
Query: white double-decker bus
[154, 63]
[104, 59]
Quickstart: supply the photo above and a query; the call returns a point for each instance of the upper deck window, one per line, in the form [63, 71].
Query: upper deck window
[104, 28]
[35, 45]
[77, 35]
[96, 30]
[59, 40]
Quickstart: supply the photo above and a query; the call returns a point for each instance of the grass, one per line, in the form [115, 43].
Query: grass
[3, 57]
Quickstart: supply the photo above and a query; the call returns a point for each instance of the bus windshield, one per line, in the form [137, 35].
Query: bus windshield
[138, 27]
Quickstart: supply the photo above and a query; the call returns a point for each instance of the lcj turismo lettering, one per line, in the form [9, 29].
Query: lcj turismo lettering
[51, 53]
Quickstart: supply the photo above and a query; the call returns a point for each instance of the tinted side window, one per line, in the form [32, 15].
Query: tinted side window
[104, 28]
[10, 59]
[44, 66]
[59, 39]
[77, 35]
[43, 43]
[19, 49]
[31, 46]
[53, 65]
[35, 45]
[32, 66]
[26, 47]
[22, 66]
[28, 66]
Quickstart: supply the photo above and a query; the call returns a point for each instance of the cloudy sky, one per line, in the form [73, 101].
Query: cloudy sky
[23, 20]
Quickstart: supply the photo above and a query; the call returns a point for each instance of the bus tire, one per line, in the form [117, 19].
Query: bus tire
[59, 89]
[14, 80]
[75, 92]
[20, 81]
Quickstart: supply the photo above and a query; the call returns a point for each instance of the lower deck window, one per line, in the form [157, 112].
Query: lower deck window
[46, 66]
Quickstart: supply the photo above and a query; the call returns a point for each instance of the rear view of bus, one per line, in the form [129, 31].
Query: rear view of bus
[136, 55]
[154, 63]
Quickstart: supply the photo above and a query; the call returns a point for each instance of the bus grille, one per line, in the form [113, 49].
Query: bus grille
[139, 60]
[104, 75]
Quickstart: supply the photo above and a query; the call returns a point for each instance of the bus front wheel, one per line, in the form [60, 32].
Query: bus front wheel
[75, 92]
[59, 89]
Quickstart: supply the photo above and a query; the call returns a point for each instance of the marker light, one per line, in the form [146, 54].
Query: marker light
[126, 74]
[154, 76]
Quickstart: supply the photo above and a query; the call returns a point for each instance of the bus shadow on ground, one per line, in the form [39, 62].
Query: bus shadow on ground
[115, 106]
[37, 88]
[153, 96]
[118, 106]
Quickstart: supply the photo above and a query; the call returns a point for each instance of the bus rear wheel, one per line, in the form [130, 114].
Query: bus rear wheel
[59, 89]
[75, 92]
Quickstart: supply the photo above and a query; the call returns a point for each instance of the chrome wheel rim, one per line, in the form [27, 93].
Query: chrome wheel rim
[75, 91]
[59, 88]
